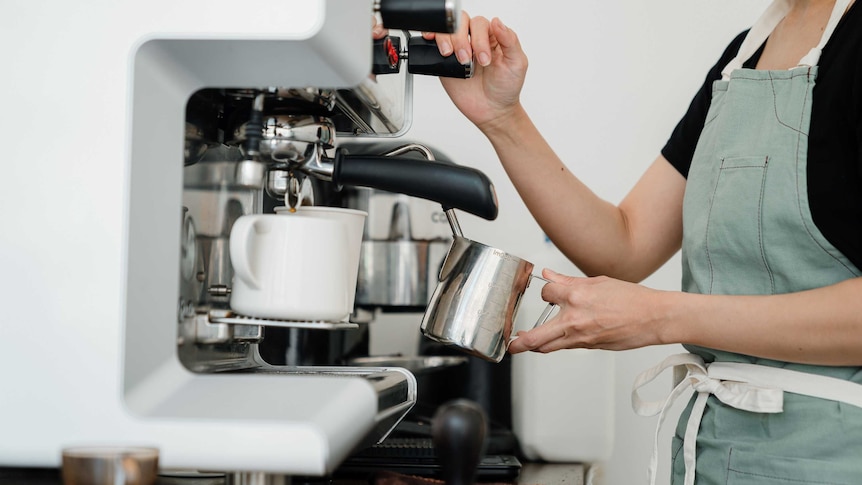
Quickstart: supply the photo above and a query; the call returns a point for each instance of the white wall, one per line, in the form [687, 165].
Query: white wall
[608, 81]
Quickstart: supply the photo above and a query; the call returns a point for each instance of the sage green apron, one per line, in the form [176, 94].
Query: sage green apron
[747, 230]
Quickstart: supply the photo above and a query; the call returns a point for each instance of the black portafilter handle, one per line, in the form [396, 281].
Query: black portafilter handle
[453, 186]
[423, 15]
[458, 430]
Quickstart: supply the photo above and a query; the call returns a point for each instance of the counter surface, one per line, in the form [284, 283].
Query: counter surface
[531, 474]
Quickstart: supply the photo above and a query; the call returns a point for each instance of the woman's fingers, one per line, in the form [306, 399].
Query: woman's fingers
[377, 29]
[472, 39]
[506, 38]
[480, 41]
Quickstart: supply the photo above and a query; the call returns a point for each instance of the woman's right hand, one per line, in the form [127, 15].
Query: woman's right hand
[493, 93]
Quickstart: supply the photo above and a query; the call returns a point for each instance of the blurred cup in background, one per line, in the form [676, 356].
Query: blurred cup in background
[110, 465]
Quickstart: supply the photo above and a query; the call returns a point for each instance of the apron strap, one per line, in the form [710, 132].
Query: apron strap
[749, 387]
[763, 27]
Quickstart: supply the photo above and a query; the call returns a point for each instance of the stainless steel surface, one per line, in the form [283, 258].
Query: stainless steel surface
[398, 273]
[242, 320]
[233, 174]
[110, 465]
[453, 14]
[379, 106]
[219, 290]
[454, 224]
[205, 328]
[416, 365]
[291, 139]
[476, 299]
[218, 190]
[255, 478]
[396, 390]
[403, 245]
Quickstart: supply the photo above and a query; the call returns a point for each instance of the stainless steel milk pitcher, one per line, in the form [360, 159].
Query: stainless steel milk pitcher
[477, 297]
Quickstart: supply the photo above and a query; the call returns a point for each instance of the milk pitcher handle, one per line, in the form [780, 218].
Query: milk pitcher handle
[546, 313]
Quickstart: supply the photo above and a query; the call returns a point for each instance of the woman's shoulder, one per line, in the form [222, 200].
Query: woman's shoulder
[850, 28]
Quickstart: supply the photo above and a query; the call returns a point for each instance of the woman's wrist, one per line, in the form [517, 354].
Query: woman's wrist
[507, 124]
[673, 324]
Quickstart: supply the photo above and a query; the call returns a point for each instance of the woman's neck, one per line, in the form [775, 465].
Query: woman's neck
[799, 31]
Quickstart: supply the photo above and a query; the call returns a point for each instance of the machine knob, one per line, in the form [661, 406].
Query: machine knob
[423, 57]
[458, 431]
[423, 15]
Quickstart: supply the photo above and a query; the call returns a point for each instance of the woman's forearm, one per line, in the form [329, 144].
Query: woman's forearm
[819, 326]
[625, 242]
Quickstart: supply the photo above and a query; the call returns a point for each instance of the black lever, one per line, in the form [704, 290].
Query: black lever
[458, 431]
[423, 57]
[453, 186]
[423, 15]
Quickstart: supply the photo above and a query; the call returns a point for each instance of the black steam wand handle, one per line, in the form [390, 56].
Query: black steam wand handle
[453, 186]
[458, 431]
[422, 56]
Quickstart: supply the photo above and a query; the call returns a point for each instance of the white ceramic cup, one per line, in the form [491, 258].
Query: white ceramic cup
[290, 268]
[354, 221]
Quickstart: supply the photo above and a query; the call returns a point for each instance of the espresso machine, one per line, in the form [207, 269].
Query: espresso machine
[170, 121]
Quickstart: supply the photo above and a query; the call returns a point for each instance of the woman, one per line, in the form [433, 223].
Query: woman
[760, 185]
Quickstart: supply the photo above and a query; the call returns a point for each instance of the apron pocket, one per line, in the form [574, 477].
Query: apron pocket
[734, 227]
[750, 468]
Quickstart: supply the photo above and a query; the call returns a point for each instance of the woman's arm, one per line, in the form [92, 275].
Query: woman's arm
[627, 241]
[820, 326]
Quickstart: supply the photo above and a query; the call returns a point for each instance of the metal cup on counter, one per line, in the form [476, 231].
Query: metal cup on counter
[402, 249]
[110, 465]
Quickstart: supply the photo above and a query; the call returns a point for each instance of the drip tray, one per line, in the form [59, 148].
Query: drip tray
[417, 457]
[237, 319]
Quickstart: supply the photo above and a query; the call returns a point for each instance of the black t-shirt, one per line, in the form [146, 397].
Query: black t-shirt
[835, 137]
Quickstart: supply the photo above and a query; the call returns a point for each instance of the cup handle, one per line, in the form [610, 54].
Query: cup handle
[240, 244]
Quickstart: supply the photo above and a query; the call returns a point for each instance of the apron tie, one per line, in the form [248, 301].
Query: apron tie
[767, 22]
[690, 371]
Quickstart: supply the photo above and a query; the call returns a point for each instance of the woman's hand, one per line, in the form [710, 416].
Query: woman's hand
[492, 94]
[498, 73]
[595, 313]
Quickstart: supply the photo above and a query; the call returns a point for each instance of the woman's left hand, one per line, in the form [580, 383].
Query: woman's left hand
[595, 313]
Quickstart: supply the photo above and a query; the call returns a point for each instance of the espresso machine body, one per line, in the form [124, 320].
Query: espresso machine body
[116, 286]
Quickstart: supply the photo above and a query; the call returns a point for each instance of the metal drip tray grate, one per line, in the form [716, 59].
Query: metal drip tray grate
[237, 319]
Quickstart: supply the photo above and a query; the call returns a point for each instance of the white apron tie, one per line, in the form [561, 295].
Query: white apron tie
[762, 29]
[749, 387]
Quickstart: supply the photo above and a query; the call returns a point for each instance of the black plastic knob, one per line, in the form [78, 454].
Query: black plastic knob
[422, 15]
[458, 430]
[423, 57]
[386, 55]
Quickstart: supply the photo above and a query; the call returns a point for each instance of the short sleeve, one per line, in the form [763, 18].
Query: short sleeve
[680, 147]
